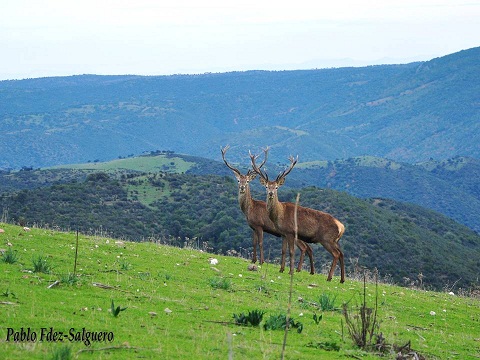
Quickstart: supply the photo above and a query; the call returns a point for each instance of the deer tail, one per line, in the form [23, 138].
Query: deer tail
[341, 230]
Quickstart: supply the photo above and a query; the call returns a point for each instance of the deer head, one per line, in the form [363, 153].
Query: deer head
[243, 180]
[272, 186]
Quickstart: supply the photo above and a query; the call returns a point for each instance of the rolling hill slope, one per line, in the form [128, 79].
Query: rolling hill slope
[400, 240]
[178, 306]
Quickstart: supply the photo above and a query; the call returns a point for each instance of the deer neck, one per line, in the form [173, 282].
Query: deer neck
[274, 209]
[245, 200]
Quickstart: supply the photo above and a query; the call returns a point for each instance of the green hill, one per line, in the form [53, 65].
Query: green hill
[402, 241]
[450, 187]
[178, 305]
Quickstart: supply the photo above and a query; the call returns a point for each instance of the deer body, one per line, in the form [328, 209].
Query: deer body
[258, 220]
[314, 226]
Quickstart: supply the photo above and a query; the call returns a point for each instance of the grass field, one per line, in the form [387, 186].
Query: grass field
[156, 163]
[180, 306]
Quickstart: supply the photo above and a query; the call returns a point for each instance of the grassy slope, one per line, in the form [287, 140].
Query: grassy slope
[151, 278]
[156, 163]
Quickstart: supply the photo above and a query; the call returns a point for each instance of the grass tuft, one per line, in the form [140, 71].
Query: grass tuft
[253, 318]
[63, 352]
[41, 265]
[10, 256]
[221, 283]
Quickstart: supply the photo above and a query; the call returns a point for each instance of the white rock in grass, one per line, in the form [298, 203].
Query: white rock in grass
[213, 261]
[168, 311]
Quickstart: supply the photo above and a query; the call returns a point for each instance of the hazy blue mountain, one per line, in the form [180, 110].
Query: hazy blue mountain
[408, 113]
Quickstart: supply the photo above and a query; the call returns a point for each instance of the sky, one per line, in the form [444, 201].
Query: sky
[42, 38]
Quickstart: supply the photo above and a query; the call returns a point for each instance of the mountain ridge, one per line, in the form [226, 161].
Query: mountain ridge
[411, 112]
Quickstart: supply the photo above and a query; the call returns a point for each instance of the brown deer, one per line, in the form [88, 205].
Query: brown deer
[314, 226]
[255, 212]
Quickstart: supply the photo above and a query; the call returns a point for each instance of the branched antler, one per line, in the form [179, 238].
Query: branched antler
[257, 169]
[293, 162]
[224, 150]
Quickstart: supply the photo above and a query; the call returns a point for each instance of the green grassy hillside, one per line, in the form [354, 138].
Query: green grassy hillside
[179, 305]
[156, 162]
[450, 187]
[402, 241]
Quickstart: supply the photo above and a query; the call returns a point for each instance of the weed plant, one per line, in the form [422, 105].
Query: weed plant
[41, 265]
[125, 265]
[116, 310]
[9, 256]
[327, 302]
[221, 283]
[63, 352]
[253, 318]
[69, 279]
[279, 322]
[7, 293]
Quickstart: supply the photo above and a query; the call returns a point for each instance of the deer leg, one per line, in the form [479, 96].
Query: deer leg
[309, 251]
[302, 247]
[284, 250]
[254, 241]
[305, 248]
[260, 244]
[291, 250]
[336, 253]
[332, 268]
[342, 267]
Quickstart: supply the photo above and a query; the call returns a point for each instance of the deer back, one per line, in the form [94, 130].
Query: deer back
[313, 225]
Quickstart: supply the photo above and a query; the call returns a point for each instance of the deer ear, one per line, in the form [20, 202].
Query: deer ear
[281, 181]
[263, 181]
[237, 176]
[252, 176]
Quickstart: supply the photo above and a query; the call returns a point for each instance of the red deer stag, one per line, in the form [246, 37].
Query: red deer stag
[313, 226]
[255, 212]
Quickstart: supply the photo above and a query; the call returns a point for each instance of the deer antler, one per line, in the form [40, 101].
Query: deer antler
[257, 169]
[285, 172]
[224, 150]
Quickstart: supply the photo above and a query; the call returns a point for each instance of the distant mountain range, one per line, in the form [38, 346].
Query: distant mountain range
[410, 113]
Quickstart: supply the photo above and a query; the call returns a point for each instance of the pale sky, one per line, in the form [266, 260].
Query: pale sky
[161, 37]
